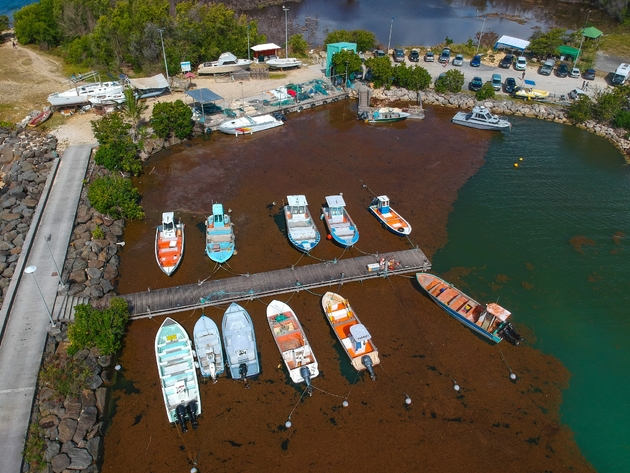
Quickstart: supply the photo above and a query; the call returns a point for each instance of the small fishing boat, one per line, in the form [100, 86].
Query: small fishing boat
[528, 91]
[169, 243]
[388, 217]
[341, 227]
[283, 62]
[239, 341]
[351, 333]
[481, 118]
[178, 378]
[219, 235]
[386, 115]
[208, 347]
[291, 340]
[489, 321]
[226, 63]
[301, 229]
[246, 124]
[80, 95]
[40, 118]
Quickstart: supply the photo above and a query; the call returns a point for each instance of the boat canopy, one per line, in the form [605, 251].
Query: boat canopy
[158, 81]
[296, 200]
[498, 311]
[203, 95]
[168, 218]
[265, 47]
[335, 201]
[227, 58]
[383, 201]
[360, 333]
[511, 42]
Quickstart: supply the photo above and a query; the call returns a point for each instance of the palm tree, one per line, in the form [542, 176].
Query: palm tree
[132, 110]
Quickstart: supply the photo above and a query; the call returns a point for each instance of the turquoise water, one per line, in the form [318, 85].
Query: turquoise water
[550, 238]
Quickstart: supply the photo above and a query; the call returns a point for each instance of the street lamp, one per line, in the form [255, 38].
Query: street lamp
[389, 41]
[248, 52]
[47, 239]
[31, 270]
[161, 30]
[481, 34]
[582, 40]
[286, 32]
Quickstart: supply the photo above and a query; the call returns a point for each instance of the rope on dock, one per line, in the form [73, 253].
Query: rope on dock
[365, 186]
[298, 284]
[209, 297]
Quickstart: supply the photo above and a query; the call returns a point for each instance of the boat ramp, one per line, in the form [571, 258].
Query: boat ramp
[252, 286]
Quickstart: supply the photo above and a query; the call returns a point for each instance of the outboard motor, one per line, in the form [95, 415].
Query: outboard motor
[306, 374]
[514, 333]
[242, 370]
[367, 362]
[191, 412]
[508, 336]
[180, 411]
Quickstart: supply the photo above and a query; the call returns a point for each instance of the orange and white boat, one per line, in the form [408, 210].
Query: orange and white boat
[352, 334]
[169, 243]
[388, 217]
[296, 352]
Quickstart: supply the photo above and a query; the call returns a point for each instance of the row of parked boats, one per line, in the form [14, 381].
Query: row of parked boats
[178, 360]
[228, 63]
[302, 231]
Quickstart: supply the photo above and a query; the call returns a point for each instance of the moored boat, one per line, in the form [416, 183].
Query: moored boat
[178, 378]
[291, 340]
[386, 115]
[388, 217]
[341, 227]
[220, 241]
[80, 95]
[239, 341]
[301, 229]
[489, 321]
[208, 347]
[351, 333]
[40, 118]
[481, 118]
[283, 62]
[169, 243]
[246, 124]
[226, 63]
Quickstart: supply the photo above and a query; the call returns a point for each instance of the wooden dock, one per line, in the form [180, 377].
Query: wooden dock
[247, 287]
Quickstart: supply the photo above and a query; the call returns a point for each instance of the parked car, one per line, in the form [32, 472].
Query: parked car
[414, 55]
[445, 55]
[589, 74]
[575, 94]
[399, 55]
[521, 63]
[429, 56]
[507, 61]
[509, 86]
[459, 60]
[562, 70]
[575, 72]
[547, 67]
[496, 81]
[475, 84]
[475, 61]
[379, 53]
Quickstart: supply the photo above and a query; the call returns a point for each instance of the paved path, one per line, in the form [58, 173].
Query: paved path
[27, 323]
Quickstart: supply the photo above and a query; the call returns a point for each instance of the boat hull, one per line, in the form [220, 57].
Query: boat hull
[395, 224]
[479, 126]
[41, 118]
[220, 241]
[208, 347]
[249, 125]
[239, 341]
[283, 63]
[345, 233]
[215, 68]
[303, 234]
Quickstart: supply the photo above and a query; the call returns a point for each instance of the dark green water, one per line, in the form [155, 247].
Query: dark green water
[550, 239]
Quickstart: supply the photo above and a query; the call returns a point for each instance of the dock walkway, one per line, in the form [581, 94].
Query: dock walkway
[245, 287]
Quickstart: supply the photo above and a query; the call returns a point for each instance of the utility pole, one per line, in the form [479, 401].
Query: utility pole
[248, 53]
[389, 41]
[161, 30]
[582, 40]
[481, 34]
[286, 32]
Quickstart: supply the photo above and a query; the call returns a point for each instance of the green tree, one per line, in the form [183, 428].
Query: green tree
[610, 103]
[581, 110]
[175, 118]
[298, 45]
[365, 40]
[103, 329]
[486, 92]
[132, 110]
[411, 78]
[115, 196]
[452, 81]
[35, 24]
[622, 119]
[110, 128]
[546, 44]
[121, 155]
[339, 60]
[4, 22]
[382, 71]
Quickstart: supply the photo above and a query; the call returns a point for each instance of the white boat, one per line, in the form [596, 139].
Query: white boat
[301, 229]
[242, 125]
[80, 95]
[385, 115]
[341, 227]
[208, 347]
[178, 378]
[283, 62]
[226, 63]
[481, 118]
[108, 98]
[169, 243]
[291, 340]
[239, 341]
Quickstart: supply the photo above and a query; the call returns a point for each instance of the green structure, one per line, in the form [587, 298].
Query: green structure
[334, 48]
[569, 51]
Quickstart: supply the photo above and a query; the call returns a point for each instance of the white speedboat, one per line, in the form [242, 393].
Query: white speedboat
[481, 118]
[239, 341]
[301, 229]
[283, 63]
[81, 94]
[226, 63]
[208, 346]
[242, 125]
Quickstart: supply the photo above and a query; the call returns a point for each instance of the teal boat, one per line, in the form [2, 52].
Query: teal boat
[219, 235]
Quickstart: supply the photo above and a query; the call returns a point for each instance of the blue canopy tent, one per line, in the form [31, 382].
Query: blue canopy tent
[205, 97]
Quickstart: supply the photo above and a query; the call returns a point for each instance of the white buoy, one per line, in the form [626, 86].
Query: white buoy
[288, 424]
[408, 400]
[194, 470]
[456, 387]
[117, 367]
[344, 403]
[512, 376]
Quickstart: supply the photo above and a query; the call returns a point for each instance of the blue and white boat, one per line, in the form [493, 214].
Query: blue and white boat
[488, 321]
[341, 227]
[301, 229]
[208, 347]
[239, 341]
[219, 235]
[178, 378]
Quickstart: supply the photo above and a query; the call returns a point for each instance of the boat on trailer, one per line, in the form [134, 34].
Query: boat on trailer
[291, 340]
[239, 341]
[178, 377]
[351, 333]
[249, 125]
[489, 321]
[341, 227]
[169, 243]
[301, 229]
[208, 347]
[220, 240]
[226, 63]
[388, 217]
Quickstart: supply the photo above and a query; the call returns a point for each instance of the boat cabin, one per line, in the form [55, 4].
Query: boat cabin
[227, 58]
[335, 208]
[483, 115]
[382, 204]
[359, 337]
[218, 216]
[168, 224]
[297, 206]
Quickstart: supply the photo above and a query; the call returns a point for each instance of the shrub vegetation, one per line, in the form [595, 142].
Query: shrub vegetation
[452, 81]
[172, 118]
[103, 329]
[115, 196]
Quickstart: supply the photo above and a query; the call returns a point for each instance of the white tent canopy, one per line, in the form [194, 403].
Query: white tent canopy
[265, 47]
[156, 82]
[510, 42]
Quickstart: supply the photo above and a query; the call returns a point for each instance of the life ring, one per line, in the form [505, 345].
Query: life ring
[299, 109]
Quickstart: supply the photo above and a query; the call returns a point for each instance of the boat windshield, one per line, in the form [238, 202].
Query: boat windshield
[218, 218]
[336, 212]
[168, 226]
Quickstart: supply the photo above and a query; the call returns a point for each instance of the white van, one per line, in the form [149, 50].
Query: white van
[621, 74]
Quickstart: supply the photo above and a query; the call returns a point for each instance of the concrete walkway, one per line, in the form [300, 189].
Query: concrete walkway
[27, 318]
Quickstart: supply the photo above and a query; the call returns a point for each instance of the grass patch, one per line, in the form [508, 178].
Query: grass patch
[55, 121]
[278, 75]
[616, 44]
[34, 448]
[64, 375]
